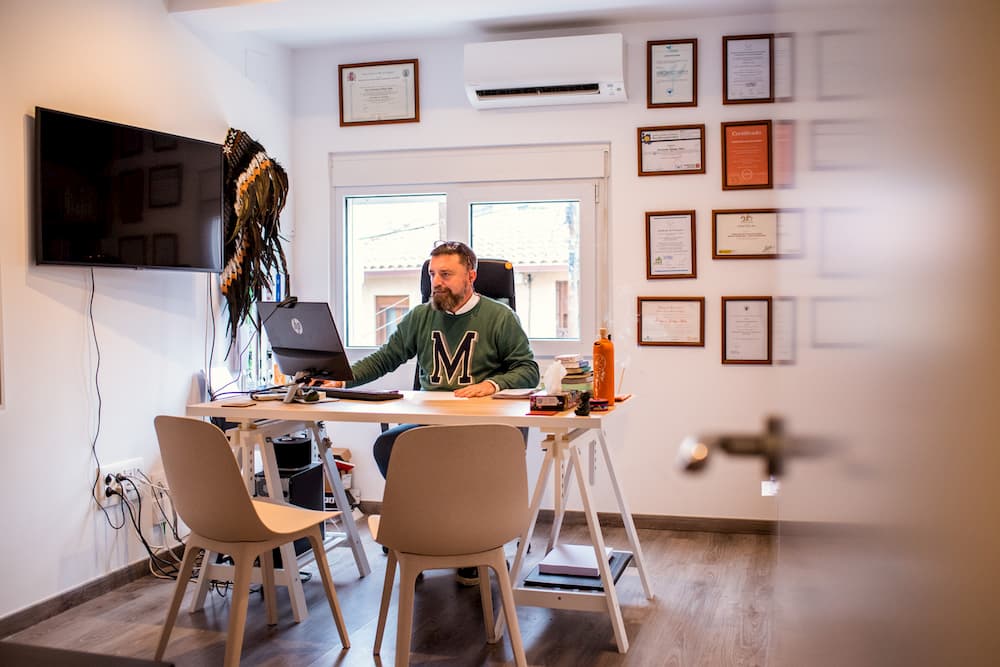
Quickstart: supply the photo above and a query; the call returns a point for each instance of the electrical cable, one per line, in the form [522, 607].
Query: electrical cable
[100, 405]
[156, 498]
[154, 560]
[211, 342]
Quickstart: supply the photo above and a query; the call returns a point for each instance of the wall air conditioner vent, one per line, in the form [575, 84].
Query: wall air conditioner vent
[555, 70]
[572, 88]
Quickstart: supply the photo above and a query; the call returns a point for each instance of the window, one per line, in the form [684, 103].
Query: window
[388, 311]
[546, 227]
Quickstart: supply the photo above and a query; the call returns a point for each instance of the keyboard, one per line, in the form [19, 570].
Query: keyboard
[360, 394]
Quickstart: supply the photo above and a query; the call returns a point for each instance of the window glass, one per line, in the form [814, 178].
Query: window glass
[387, 239]
[541, 239]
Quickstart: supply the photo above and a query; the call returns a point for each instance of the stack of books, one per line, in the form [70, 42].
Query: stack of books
[579, 374]
[574, 567]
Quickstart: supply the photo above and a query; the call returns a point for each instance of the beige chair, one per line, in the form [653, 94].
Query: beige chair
[454, 495]
[212, 499]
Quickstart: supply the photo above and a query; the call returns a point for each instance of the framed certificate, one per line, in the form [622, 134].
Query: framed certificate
[379, 92]
[843, 145]
[671, 149]
[745, 234]
[843, 322]
[746, 330]
[747, 69]
[672, 73]
[791, 232]
[746, 155]
[784, 67]
[784, 153]
[670, 245]
[671, 320]
[785, 336]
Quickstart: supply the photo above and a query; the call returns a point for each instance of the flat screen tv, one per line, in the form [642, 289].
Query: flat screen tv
[114, 195]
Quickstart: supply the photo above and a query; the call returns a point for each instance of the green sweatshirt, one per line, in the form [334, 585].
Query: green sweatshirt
[485, 343]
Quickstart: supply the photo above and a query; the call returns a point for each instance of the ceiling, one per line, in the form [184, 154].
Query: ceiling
[307, 23]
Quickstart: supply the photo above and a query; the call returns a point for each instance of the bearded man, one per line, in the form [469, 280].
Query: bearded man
[464, 342]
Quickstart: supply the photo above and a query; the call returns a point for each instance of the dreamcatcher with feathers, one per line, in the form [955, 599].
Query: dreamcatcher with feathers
[255, 190]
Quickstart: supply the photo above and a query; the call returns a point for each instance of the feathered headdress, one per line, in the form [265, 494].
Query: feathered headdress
[255, 188]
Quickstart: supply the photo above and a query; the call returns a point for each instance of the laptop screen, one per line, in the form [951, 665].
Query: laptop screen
[304, 339]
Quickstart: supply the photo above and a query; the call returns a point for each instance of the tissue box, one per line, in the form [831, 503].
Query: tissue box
[556, 401]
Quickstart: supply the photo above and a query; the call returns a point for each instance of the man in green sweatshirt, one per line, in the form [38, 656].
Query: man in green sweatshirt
[464, 342]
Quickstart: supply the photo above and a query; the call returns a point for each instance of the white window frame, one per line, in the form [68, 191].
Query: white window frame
[467, 175]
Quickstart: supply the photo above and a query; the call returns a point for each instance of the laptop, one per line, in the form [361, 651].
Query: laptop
[304, 339]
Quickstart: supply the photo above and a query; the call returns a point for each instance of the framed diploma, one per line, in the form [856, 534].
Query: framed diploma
[784, 67]
[670, 245]
[746, 155]
[843, 145]
[784, 153]
[747, 69]
[671, 149]
[745, 234]
[671, 320]
[379, 92]
[672, 73]
[843, 61]
[746, 330]
[785, 338]
[844, 322]
[791, 232]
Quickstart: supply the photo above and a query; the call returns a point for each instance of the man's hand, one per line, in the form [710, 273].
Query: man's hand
[475, 390]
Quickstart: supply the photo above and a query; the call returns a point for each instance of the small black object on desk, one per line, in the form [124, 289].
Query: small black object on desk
[583, 408]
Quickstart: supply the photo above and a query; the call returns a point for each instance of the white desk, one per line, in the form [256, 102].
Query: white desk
[563, 431]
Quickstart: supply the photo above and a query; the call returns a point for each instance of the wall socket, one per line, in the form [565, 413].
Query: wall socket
[129, 468]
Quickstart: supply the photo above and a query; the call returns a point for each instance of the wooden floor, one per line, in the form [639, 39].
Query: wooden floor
[713, 606]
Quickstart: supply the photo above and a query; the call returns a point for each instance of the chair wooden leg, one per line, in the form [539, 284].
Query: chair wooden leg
[510, 612]
[383, 611]
[486, 598]
[187, 567]
[404, 622]
[267, 586]
[243, 558]
[316, 540]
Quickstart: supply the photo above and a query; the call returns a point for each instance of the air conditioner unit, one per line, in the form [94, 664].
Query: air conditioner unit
[553, 70]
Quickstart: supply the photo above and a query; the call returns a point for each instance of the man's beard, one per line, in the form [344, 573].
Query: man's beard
[446, 300]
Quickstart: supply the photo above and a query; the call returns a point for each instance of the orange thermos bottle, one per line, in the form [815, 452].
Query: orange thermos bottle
[604, 368]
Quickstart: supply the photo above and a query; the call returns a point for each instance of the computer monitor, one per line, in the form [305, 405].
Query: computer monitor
[304, 339]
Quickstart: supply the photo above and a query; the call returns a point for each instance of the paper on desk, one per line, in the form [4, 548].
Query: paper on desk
[553, 377]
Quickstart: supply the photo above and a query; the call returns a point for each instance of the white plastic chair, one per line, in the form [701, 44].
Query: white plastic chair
[211, 497]
[454, 495]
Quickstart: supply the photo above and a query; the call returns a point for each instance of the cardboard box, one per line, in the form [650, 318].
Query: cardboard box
[556, 401]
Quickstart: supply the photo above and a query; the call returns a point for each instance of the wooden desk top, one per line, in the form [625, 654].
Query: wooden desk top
[416, 407]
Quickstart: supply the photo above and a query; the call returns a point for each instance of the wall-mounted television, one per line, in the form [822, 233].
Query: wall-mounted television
[109, 194]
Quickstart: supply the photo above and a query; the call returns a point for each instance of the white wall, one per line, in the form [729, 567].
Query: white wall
[125, 61]
[678, 391]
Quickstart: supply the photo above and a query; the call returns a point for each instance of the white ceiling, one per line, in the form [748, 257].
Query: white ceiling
[305, 23]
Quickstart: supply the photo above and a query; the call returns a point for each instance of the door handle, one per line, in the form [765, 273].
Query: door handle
[773, 445]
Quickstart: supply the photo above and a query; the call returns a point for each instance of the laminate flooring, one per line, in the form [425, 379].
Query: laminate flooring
[713, 606]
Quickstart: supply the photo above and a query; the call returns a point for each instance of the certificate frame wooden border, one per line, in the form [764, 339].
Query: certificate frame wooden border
[693, 102]
[736, 211]
[347, 122]
[649, 249]
[656, 128]
[770, 315]
[701, 321]
[770, 155]
[726, 99]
